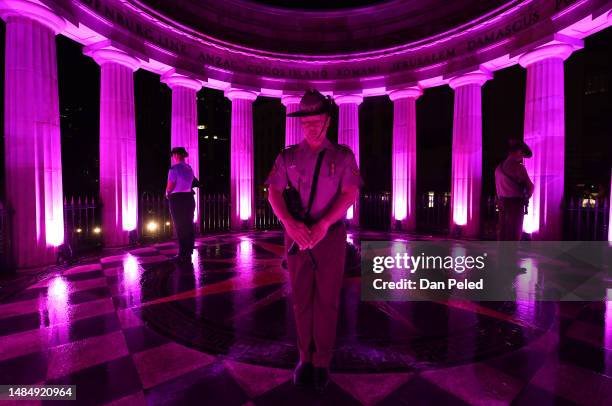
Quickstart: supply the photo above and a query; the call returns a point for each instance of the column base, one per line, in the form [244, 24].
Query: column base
[120, 239]
[37, 258]
[403, 225]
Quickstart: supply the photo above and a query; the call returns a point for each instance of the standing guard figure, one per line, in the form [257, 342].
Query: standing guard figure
[312, 185]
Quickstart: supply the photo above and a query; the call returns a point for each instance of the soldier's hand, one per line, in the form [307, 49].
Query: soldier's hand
[317, 232]
[298, 233]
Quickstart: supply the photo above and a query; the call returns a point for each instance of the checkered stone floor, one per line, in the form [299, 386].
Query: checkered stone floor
[103, 326]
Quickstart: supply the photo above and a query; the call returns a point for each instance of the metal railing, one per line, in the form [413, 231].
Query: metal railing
[586, 219]
[214, 212]
[375, 211]
[82, 228]
[265, 219]
[154, 221]
[433, 212]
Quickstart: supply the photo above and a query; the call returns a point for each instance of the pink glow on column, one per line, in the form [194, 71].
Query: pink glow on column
[293, 128]
[241, 155]
[118, 182]
[403, 156]
[466, 175]
[184, 131]
[610, 210]
[348, 134]
[32, 132]
[545, 134]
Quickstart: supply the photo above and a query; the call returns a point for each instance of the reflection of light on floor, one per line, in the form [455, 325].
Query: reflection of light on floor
[131, 279]
[57, 291]
[458, 251]
[349, 238]
[130, 271]
[245, 252]
[197, 272]
[399, 271]
[197, 280]
[57, 308]
[243, 298]
[526, 289]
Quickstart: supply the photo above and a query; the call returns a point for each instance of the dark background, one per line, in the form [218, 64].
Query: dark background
[588, 126]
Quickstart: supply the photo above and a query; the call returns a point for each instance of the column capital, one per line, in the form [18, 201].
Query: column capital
[290, 99]
[103, 53]
[34, 11]
[405, 93]
[234, 93]
[472, 78]
[559, 51]
[174, 79]
[348, 99]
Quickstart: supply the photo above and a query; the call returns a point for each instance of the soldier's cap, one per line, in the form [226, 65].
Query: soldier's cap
[179, 151]
[516, 145]
[313, 103]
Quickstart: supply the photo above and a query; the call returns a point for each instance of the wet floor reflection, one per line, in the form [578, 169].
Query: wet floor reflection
[244, 311]
[234, 300]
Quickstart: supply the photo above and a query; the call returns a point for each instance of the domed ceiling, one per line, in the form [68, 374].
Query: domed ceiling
[322, 27]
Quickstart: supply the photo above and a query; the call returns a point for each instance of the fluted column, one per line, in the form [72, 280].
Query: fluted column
[466, 175]
[32, 132]
[610, 205]
[118, 179]
[348, 134]
[184, 128]
[545, 135]
[241, 155]
[293, 128]
[404, 158]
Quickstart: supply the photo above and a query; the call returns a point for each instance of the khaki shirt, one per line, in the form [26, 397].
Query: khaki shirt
[509, 181]
[297, 163]
[181, 175]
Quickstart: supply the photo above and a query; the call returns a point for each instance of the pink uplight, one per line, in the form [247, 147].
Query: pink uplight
[545, 135]
[245, 201]
[348, 134]
[404, 155]
[241, 152]
[32, 132]
[118, 177]
[184, 129]
[466, 172]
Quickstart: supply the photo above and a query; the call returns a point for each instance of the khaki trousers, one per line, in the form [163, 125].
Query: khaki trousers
[511, 215]
[316, 295]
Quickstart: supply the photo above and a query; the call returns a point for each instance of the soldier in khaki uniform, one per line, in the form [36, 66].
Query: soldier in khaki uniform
[316, 269]
[514, 188]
